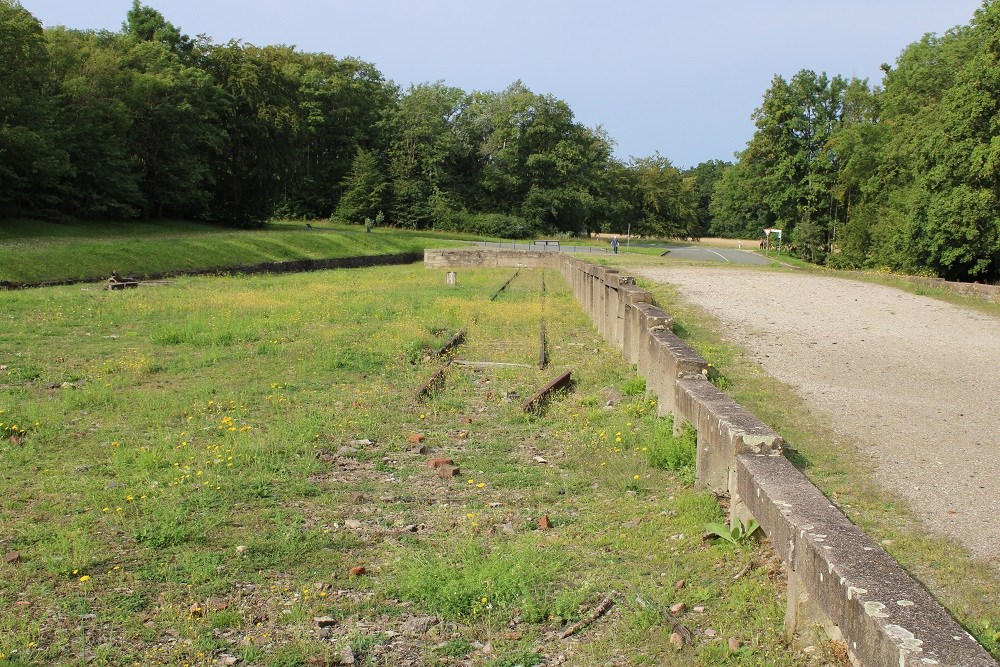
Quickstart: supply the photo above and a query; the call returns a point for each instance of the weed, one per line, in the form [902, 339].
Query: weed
[478, 583]
[519, 659]
[667, 451]
[458, 647]
[736, 533]
[635, 386]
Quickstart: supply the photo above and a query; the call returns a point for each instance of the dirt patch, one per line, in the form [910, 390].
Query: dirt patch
[913, 380]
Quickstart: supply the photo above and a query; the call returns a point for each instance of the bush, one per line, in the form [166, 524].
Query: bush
[488, 224]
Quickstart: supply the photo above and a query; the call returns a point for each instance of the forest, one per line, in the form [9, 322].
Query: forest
[149, 123]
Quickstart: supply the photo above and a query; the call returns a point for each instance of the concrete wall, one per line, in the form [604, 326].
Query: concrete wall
[839, 578]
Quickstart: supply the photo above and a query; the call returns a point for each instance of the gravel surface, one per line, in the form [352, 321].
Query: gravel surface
[914, 381]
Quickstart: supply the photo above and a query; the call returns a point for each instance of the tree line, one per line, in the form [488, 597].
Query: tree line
[904, 176]
[148, 122]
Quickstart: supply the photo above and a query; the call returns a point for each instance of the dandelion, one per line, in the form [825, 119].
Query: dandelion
[480, 485]
[635, 477]
[85, 577]
[472, 481]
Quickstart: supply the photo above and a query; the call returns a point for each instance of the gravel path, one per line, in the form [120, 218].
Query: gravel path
[913, 380]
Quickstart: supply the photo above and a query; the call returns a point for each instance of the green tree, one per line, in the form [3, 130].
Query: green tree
[146, 24]
[424, 155]
[347, 106]
[261, 118]
[366, 189]
[667, 201]
[31, 161]
[88, 79]
[705, 176]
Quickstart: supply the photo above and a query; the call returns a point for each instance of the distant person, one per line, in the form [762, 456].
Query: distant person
[614, 245]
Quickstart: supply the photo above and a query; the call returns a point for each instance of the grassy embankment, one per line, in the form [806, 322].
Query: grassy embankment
[970, 590]
[33, 252]
[197, 468]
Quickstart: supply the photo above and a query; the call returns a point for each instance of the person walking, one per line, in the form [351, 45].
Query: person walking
[614, 245]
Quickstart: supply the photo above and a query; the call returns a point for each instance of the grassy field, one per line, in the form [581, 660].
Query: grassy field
[226, 470]
[970, 591]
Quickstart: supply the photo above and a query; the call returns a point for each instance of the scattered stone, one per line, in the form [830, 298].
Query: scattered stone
[346, 451]
[544, 522]
[734, 644]
[323, 633]
[437, 463]
[322, 586]
[353, 524]
[464, 420]
[699, 610]
[411, 528]
[487, 649]
[357, 498]
[676, 640]
[416, 438]
[241, 549]
[418, 625]
[539, 459]
[226, 660]
[679, 584]
[361, 443]
[678, 608]
[325, 621]
[419, 449]
[358, 571]
[710, 632]
[612, 397]
[448, 471]
[196, 610]
[217, 604]
[347, 656]
[12, 557]
[514, 636]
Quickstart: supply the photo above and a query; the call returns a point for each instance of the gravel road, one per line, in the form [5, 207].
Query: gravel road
[914, 381]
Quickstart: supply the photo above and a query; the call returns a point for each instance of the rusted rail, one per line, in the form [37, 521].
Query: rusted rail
[536, 402]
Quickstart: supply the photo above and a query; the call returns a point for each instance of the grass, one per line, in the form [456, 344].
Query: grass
[968, 589]
[198, 467]
[33, 251]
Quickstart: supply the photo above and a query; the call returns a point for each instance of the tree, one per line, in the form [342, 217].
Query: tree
[534, 160]
[366, 189]
[347, 107]
[424, 155]
[705, 177]
[667, 202]
[146, 24]
[261, 117]
[31, 162]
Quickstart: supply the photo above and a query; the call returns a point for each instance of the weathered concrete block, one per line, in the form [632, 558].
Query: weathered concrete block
[670, 358]
[725, 430]
[885, 617]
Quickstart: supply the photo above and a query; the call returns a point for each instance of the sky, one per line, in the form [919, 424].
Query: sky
[678, 78]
